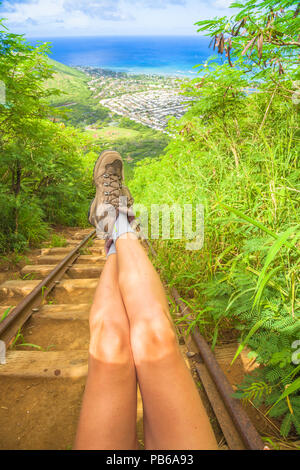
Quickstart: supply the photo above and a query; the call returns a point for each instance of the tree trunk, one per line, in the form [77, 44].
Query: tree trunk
[16, 188]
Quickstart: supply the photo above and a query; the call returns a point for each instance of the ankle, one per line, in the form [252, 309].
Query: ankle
[122, 227]
[128, 236]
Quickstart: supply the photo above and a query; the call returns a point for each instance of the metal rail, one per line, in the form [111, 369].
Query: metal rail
[250, 439]
[20, 314]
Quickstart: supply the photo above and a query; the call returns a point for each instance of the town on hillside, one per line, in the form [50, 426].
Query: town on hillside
[147, 99]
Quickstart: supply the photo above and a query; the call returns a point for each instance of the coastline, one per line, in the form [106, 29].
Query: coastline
[135, 73]
[170, 56]
[149, 100]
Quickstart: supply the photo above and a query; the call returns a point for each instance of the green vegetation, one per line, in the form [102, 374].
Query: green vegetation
[44, 172]
[75, 99]
[71, 82]
[5, 314]
[135, 142]
[237, 154]
[19, 341]
[57, 241]
[111, 134]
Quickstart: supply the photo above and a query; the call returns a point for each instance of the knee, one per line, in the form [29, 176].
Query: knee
[129, 281]
[109, 337]
[153, 337]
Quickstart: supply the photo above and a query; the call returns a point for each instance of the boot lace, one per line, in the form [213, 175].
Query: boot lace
[112, 184]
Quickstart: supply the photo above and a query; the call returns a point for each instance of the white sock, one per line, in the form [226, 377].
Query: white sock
[121, 227]
[112, 250]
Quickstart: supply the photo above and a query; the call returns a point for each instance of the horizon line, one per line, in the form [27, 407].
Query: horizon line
[119, 35]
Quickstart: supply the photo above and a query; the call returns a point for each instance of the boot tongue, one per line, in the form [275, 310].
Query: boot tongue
[114, 168]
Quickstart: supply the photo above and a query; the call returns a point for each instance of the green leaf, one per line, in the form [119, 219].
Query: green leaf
[249, 335]
[215, 337]
[294, 387]
[238, 296]
[261, 285]
[31, 346]
[5, 314]
[258, 224]
[263, 278]
[286, 425]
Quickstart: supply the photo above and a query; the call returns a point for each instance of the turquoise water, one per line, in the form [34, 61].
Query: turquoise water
[174, 55]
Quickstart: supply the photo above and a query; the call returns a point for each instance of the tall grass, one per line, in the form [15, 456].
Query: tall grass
[243, 283]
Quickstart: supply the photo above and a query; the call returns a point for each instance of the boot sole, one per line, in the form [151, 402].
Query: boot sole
[89, 212]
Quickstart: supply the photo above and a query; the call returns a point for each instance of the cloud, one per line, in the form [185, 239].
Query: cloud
[77, 13]
[158, 4]
[108, 9]
[223, 3]
[43, 18]
[31, 22]
[103, 9]
[20, 11]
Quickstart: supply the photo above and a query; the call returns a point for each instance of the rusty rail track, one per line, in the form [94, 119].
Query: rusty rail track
[20, 314]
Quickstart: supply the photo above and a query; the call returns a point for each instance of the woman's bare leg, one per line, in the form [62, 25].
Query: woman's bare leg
[108, 415]
[174, 416]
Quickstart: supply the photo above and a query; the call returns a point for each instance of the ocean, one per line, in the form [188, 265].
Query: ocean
[171, 55]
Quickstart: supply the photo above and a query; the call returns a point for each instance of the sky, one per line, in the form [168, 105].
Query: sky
[57, 18]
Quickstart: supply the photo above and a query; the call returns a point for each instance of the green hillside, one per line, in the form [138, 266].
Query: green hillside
[71, 82]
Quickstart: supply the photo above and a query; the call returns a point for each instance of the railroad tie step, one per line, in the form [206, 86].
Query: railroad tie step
[81, 235]
[71, 242]
[69, 290]
[11, 289]
[85, 271]
[78, 271]
[60, 327]
[51, 364]
[83, 259]
[63, 312]
[56, 251]
[95, 250]
[94, 242]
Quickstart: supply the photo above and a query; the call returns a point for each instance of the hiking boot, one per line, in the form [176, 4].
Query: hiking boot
[126, 193]
[135, 223]
[108, 177]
